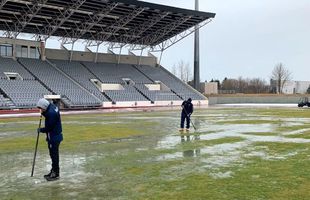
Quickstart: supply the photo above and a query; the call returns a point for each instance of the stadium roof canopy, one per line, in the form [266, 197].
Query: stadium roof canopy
[113, 21]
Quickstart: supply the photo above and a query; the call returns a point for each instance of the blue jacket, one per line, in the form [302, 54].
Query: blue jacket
[187, 108]
[52, 124]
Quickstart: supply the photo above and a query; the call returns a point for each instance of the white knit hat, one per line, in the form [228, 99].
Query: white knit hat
[43, 103]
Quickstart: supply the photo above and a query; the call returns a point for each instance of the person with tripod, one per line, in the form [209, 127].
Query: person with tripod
[53, 130]
[187, 110]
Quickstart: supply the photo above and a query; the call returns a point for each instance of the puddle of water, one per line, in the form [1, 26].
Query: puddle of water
[169, 156]
[217, 157]
[168, 142]
[279, 139]
[220, 131]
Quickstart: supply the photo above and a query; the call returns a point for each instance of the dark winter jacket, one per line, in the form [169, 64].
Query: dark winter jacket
[52, 124]
[187, 107]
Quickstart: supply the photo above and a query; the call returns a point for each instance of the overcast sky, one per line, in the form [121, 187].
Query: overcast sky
[247, 38]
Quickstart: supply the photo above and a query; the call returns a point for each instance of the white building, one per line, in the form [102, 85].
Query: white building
[302, 87]
[293, 87]
[209, 88]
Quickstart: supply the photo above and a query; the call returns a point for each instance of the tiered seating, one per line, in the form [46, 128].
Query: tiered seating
[157, 95]
[80, 74]
[23, 93]
[113, 73]
[128, 94]
[71, 80]
[3, 103]
[158, 74]
[10, 65]
[59, 83]
[128, 71]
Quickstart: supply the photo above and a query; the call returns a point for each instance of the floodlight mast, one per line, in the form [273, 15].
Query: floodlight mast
[196, 54]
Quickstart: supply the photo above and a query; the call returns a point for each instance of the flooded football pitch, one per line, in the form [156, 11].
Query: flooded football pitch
[235, 153]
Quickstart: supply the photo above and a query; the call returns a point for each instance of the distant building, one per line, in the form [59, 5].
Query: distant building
[209, 88]
[302, 87]
[291, 87]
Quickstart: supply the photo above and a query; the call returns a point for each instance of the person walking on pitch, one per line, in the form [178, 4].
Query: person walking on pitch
[187, 110]
[53, 130]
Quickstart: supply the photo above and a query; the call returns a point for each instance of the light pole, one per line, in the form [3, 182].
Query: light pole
[196, 54]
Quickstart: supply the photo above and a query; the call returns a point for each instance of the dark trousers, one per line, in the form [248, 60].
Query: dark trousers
[53, 148]
[183, 117]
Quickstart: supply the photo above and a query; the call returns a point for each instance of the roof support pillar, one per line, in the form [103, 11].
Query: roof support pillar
[97, 50]
[161, 55]
[42, 48]
[140, 57]
[2, 3]
[14, 48]
[196, 55]
[71, 52]
[119, 55]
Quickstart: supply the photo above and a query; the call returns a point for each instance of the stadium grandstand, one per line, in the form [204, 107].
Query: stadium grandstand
[92, 79]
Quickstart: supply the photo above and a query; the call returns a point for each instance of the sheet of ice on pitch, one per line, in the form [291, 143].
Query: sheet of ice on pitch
[105, 164]
[224, 129]
[16, 175]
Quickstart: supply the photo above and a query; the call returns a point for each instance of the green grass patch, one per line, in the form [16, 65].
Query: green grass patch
[193, 143]
[282, 148]
[285, 112]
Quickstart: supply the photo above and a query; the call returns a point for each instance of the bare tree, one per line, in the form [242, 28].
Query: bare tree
[280, 75]
[257, 85]
[182, 71]
[242, 85]
[181, 67]
[229, 84]
[247, 86]
[174, 71]
[187, 73]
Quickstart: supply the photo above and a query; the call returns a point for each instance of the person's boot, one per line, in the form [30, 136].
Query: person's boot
[53, 176]
[47, 175]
